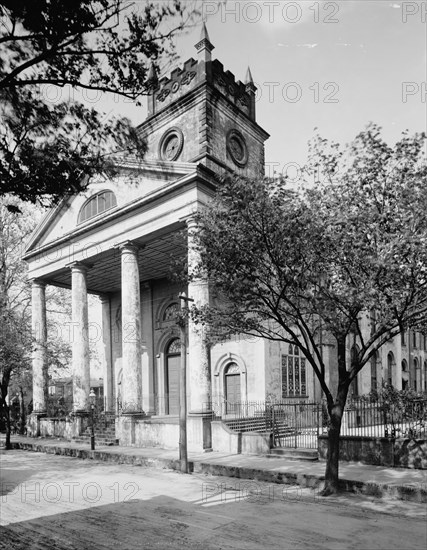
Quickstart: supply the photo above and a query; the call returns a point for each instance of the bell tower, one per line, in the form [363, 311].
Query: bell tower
[201, 114]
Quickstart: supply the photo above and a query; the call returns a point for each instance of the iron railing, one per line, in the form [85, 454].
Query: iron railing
[380, 417]
[298, 423]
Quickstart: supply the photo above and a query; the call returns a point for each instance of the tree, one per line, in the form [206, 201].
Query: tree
[15, 333]
[16, 341]
[105, 45]
[287, 265]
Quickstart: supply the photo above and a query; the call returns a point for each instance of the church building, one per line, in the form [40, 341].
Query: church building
[117, 240]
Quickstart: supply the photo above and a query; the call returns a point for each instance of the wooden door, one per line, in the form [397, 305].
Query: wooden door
[232, 393]
[172, 389]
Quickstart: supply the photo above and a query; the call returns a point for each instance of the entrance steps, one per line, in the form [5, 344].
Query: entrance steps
[258, 424]
[104, 429]
[294, 454]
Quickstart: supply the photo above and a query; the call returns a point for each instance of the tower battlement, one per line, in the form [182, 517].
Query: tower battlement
[194, 73]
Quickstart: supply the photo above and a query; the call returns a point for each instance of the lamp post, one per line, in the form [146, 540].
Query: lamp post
[183, 456]
[92, 398]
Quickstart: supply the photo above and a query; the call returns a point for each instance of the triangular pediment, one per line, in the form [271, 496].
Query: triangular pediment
[134, 182]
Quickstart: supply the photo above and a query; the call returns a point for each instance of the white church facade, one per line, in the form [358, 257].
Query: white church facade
[117, 240]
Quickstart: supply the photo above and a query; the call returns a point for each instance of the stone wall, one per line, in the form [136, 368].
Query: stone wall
[139, 432]
[225, 440]
[65, 428]
[379, 451]
[410, 453]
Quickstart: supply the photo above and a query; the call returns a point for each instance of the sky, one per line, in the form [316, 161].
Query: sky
[331, 66]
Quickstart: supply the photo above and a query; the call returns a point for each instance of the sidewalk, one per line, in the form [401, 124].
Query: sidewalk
[377, 481]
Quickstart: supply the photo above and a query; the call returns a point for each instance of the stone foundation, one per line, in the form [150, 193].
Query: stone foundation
[379, 451]
[65, 428]
[137, 431]
[227, 441]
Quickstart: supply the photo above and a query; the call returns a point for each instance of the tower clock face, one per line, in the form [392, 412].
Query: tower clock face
[170, 146]
[236, 147]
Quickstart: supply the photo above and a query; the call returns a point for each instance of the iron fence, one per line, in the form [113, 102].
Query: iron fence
[299, 423]
[380, 417]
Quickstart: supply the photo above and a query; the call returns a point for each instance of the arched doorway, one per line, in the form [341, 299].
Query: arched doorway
[173, 360]
[232, 386]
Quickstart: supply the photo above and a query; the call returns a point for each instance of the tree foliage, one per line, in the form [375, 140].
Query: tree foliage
[290, 265]
[15, 334]
[105, 45]
[16, 339]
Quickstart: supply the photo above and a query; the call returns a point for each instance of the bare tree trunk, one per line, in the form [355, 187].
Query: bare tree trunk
[335, 412]
[6, 410]
[22, 417]
[332, 459]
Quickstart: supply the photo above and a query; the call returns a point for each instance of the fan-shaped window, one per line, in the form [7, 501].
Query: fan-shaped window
[170, 313]
[97, 204]
[174, 347]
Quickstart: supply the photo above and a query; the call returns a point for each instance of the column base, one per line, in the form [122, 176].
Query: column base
[126, 428]
[204, 412]
[199, 432]
[82, 421]
[33, 423]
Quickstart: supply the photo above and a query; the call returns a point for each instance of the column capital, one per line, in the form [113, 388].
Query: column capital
[129, 246]
[189, 220]
[79, 267]
[104, 299]
[38, 283]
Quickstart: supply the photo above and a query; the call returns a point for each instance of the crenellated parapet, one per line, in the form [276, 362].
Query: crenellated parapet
[236, 92]
[197, 72]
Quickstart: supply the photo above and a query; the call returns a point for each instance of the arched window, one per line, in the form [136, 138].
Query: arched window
[170, 312]
[414, 339]
[405, 375]
[414, 375]
[374, 381]
[96, 205]
[390, 365]
[354, 386]
[294, 381]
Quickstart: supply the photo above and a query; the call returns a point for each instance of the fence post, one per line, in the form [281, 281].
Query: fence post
[295, 424]
[318, 421]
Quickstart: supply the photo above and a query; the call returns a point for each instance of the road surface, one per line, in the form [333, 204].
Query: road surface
[55, 503]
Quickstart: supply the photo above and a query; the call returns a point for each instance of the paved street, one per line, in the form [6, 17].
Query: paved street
[51, 502]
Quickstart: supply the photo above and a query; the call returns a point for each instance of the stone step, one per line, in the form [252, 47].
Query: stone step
[294, 454]
[98, 441]
[106, 432]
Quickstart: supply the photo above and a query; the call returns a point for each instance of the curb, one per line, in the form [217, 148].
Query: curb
[410, 493]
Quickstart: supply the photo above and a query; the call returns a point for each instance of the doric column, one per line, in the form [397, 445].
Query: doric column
[39, 329]
[80, 338]
[106, 358]
[199, 370]
[131, 330]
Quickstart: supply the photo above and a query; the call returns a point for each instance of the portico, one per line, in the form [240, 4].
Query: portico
[131, 279]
